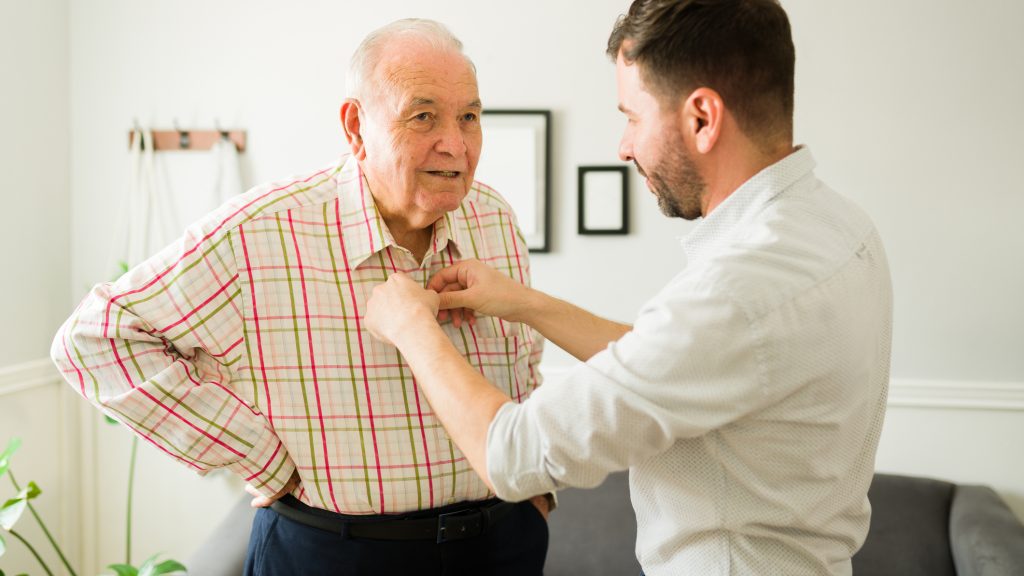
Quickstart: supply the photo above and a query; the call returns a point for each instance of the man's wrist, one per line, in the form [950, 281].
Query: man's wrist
[417, 327]
[526, 306]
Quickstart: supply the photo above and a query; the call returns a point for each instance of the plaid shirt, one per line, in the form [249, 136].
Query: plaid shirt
[241, 345]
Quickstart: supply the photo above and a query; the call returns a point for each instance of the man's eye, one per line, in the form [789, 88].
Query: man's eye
[422, 116]
[469, 117]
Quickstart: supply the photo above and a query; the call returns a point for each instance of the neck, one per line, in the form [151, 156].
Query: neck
[415, 240]
[730, 169]
[406, 228]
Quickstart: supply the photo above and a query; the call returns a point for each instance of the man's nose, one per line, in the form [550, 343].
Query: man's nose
[626, 148]
[450, 139]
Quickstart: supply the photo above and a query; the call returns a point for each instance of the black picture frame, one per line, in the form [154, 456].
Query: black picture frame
[516, 161]
[603, 209]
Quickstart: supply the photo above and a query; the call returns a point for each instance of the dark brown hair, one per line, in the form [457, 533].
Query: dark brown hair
[742, 49]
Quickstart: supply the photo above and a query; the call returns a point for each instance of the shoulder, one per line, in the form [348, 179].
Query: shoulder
[482, 196]
[297, 192]
[794, 244]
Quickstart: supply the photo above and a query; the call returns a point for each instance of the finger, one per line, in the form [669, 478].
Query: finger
[454, 299]
[449, 275]
[457, 315]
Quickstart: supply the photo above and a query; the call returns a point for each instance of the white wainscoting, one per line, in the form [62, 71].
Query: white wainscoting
[960, 431]
[36, 406]
[81, 464]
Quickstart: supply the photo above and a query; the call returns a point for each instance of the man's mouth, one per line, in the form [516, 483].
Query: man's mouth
[639, 169]
[445, 173]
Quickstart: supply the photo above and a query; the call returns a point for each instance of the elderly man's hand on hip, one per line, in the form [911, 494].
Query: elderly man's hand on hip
[261, 501]
[396, 305]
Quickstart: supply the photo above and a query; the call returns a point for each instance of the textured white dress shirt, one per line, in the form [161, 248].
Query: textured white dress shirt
[746, 402]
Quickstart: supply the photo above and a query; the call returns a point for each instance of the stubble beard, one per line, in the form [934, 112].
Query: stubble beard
[677, 184]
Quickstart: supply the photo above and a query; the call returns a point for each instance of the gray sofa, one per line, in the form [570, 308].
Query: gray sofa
[919, 526]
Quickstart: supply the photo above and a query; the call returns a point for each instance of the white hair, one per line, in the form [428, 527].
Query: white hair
[366, 57]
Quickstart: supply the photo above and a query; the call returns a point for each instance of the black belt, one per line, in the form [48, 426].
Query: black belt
[459, 524]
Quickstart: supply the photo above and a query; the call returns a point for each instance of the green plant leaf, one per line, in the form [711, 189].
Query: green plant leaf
[5, 457]
[146, 568]
[3, 548]
[124, 569]
[168, 567]
[110, 420]
[29, 492]
[11, 511]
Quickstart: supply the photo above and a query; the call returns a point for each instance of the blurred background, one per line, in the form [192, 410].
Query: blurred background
[911, 108]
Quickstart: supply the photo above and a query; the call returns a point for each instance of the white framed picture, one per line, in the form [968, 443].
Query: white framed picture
[514, 161]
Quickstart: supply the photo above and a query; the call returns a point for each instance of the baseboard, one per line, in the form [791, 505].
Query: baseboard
[32, 374]
[920, 393]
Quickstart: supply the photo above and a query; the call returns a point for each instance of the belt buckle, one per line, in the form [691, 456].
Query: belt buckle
[449, 529]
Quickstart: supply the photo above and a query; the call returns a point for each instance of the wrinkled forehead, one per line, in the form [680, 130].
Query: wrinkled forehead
[411, 71]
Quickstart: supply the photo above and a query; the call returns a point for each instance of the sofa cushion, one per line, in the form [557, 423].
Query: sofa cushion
[593, 532]
[909, 532]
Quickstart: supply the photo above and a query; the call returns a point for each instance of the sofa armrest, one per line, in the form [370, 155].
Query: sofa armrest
[985, 537]
[223, 551]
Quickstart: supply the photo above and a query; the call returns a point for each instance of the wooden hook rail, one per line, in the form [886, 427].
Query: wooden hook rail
[191, 139]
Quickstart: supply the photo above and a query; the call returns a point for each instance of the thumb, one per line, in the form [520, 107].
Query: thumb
[455, 299]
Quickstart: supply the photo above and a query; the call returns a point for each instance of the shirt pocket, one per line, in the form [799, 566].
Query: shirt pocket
[504, 362]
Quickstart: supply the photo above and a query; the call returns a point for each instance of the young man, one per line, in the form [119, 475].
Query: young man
[748, 397]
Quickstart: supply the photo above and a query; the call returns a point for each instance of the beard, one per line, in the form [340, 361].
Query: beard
[676, 184]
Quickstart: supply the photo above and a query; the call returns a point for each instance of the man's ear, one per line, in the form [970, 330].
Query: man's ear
[704, 112]
[351, 122]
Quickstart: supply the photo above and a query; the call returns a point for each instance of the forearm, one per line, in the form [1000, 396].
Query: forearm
[570, 327]
[463, 400]
[128, 367]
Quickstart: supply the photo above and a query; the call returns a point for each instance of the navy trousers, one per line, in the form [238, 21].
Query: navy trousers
[514, 546]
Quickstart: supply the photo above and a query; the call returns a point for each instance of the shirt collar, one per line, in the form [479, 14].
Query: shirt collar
[363, 230]
[748, 200]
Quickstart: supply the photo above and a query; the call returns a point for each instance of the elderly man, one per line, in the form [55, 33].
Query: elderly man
[243, 345]
[748, 397]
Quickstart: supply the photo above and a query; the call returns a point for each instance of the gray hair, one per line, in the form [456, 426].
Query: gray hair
[366, 57]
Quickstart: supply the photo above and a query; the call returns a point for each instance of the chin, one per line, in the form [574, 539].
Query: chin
[444, 200]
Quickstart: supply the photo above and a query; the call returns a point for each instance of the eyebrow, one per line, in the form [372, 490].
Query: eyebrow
[429, 102]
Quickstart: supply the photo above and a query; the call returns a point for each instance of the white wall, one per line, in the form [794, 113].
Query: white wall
[34, 237]
[34, 258]
[911, 108]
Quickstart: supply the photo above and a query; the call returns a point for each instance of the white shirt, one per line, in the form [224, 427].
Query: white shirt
[748, 399]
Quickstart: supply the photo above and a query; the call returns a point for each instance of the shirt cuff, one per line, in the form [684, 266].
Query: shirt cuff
[267, 466]
[515, 456]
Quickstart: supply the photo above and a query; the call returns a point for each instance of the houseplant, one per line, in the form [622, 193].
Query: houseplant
[14, 508]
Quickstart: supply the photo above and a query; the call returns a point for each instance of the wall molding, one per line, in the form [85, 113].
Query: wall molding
[922, 393]
[957, 394]
[34, 374]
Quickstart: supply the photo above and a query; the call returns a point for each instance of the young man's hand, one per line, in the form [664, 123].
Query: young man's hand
[471, 287]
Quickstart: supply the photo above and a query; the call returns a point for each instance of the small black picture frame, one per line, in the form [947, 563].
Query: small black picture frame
[603, 200]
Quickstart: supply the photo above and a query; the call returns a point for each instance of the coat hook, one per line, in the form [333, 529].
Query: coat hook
[137, 128]
[223, 133]
[184, 140]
